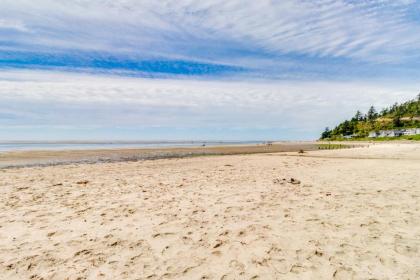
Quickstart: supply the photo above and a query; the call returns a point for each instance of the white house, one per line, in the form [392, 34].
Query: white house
[394, 132]
[410, 131]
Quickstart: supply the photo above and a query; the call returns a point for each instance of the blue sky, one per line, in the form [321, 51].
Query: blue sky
[238, 69]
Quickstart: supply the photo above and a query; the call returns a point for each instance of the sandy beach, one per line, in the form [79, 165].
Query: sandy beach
[330, 214]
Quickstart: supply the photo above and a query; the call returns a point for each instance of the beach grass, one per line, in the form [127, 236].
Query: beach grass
[332, 146]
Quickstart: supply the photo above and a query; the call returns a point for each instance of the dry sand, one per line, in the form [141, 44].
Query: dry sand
[354, 214]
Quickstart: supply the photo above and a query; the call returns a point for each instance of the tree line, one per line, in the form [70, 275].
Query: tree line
[405, 115]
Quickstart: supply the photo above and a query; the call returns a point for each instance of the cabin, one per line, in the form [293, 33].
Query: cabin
[390, 133]
[411, 131]
[394, 132]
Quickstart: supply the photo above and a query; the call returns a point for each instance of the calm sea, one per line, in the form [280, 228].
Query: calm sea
[23, 146]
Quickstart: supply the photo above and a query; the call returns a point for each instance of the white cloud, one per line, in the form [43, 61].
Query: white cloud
[253, 34]
[13, 25]
[46, 98]
[368, 30]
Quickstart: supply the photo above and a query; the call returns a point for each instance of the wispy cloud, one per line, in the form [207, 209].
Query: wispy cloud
[218, 30]
[284, 68]
[12, 25]
[51, 99]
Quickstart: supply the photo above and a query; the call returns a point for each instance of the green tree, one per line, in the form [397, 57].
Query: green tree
[347, 128]
[372, 114]
[326, 134]
[397, 122]
[384, 111]
[358, 117]
[393, 108]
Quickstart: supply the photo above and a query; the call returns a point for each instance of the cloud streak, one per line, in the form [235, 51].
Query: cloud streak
[284, 68]
[12, 25]
[226, 31]
[52, 99]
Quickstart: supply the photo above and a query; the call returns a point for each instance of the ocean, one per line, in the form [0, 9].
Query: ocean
[29, 146]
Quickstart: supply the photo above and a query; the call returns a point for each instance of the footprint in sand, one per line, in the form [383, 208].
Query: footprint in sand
[343, 273]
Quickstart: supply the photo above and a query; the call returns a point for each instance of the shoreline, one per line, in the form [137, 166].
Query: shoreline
[40, 158]
[11, 146]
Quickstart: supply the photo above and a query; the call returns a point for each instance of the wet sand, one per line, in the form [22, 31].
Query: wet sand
[346, 214]
[54, 157]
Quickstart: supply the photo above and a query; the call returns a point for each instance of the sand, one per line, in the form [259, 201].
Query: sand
[347, 214]
[12, 159]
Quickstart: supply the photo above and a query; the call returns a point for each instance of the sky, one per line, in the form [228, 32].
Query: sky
[201, 70]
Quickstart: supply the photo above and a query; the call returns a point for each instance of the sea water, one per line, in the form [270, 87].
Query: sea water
[29, 146]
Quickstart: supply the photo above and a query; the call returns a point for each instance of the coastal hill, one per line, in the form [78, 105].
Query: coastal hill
[397, 116]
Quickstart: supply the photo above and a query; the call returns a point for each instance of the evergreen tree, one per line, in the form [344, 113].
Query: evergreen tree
[384, 111]
[371, 114]
[347, 128]
[358, 117]
[397, 122]
[393, 108]
[326, 134]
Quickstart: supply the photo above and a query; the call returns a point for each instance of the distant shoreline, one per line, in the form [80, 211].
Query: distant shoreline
[124, 141]
[9, 146]
[33, 158]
